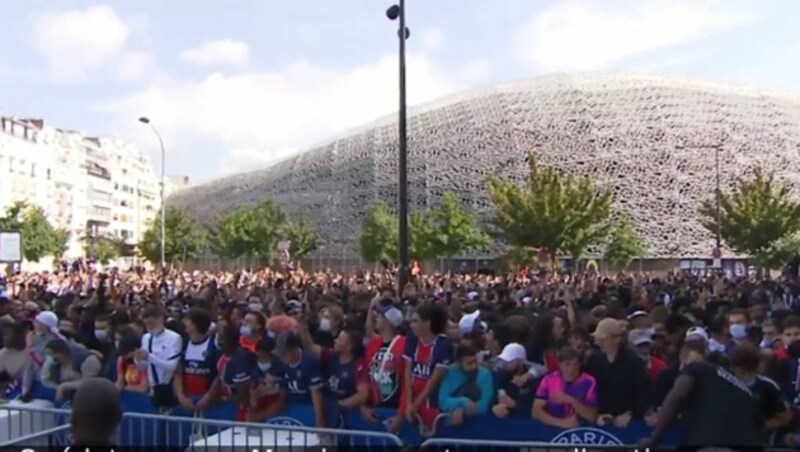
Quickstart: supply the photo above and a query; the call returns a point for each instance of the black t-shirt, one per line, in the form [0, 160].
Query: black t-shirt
[721, 410]
[769, 396]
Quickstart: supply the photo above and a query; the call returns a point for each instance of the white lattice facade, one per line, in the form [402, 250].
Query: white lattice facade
[650, 138]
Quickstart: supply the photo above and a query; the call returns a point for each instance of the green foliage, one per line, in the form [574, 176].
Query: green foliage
[780, 251]
[758, 212]
[107, 247]
[624, 245]
[39, 238]
[553, 211]
[61, 244]
[421, 236]
[303, 236]
[452, 230]
[250, 232]
[182, 239]
[378, 237]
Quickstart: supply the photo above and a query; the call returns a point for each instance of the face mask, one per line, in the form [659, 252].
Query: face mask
[765, 343]
[245, 330]
[101, 335]
[49, 361]
[739, 332]
[254, 307]
[324, 324]
[645, 356]
[264, 366]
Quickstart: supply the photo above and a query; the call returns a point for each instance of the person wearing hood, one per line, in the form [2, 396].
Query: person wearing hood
[467, 388]
[45, 329]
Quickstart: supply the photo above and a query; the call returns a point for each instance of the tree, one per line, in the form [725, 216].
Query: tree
[251, 232]
[780, 251]
[756, 213]
[39, 238]
[624, 244]
[552, 211]
[106, 247]
[61, 243]
[303, 236]
[421, 236]
[378, 237]
[453, 230]
[182, 240]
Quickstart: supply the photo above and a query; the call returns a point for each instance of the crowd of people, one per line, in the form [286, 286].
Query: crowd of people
[717, 354]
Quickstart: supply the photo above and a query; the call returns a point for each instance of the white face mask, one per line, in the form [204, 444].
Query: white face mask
[324, 324]
[264, 366]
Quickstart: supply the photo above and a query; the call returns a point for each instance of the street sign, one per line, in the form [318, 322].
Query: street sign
[10, 246]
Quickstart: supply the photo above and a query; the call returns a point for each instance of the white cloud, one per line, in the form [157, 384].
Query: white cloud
[135, 65]
[77, 42]
[224, 51]
[432, 38]
[579, 35]
[261, 117]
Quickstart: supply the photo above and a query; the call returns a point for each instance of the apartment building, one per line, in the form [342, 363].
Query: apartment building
[89, 186]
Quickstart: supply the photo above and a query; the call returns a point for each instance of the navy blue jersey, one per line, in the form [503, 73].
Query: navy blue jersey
[343, 379]
[298, 379]
[199, 364]
[235, 369]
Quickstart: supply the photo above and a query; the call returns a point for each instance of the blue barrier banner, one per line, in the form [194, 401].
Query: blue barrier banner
[179, 428]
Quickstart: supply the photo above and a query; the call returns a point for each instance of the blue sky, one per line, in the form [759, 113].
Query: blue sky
[235, 85]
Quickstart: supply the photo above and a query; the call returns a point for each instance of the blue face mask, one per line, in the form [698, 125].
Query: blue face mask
[739, 332]
[101, 335]
[245, 330]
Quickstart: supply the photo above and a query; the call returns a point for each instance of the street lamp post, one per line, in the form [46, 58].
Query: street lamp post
[145, 120]
[398, 12]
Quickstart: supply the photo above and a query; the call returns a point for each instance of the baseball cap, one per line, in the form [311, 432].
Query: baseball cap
[466, 324]
[392, 315]
[637, 314]
[513, 352]
[49, 320]
[608, 327]
[696, 332]
[640, 337]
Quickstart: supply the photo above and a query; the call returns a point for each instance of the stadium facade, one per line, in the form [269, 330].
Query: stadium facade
[651, 138]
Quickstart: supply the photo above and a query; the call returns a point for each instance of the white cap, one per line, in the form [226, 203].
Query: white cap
[467, 323]
[471, 296]
[49, 320]
[697, 332]
[637, 314]
[513, 352]
[526, 300]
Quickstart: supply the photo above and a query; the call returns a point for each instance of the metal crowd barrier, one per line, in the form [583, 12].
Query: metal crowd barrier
[470, 445]
[31, 426]
[26, 426]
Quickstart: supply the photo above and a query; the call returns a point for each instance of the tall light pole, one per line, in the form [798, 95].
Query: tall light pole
[717, 252]
[398, 12]
[145, 120]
